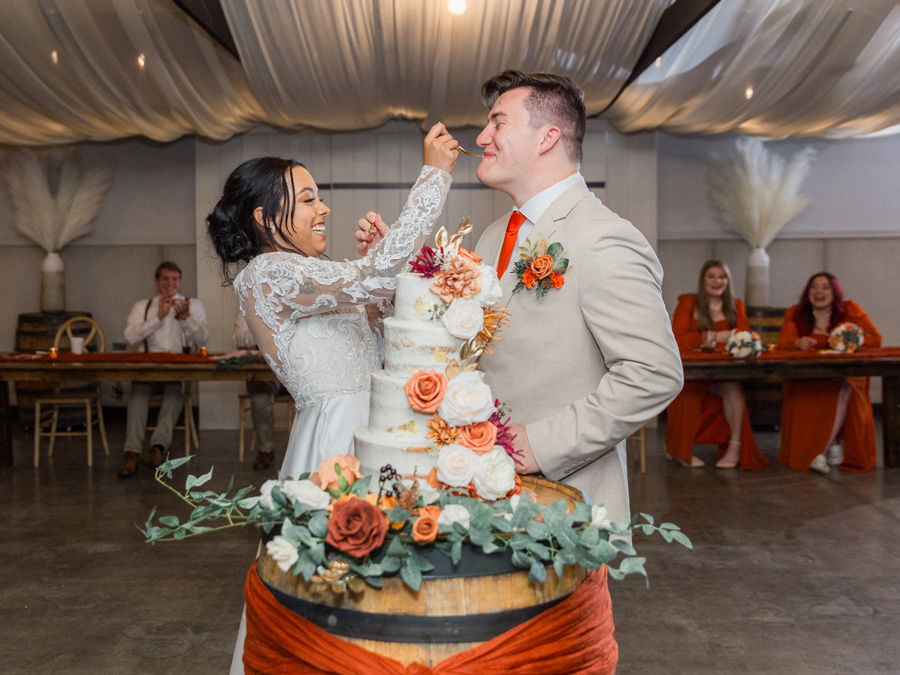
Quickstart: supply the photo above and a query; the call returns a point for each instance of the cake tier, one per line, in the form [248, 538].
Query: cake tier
[410, 346]
[390, 415]
[413, 301]
[375, 451]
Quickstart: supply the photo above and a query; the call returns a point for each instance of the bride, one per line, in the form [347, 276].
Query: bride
[307, 314]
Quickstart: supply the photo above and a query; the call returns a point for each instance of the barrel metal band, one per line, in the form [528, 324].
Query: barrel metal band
[409, 627]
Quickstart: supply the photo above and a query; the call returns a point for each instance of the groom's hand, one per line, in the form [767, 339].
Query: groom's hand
[526, 462]
[372, 229]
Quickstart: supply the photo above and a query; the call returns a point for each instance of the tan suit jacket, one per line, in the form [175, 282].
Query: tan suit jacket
[587, 364]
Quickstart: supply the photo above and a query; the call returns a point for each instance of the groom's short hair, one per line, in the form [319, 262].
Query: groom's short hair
[554, 99]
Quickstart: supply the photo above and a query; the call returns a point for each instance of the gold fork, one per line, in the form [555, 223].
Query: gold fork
[466, 152]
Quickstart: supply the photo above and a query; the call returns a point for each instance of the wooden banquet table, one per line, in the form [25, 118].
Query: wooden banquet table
[115, 367]
[804, 365]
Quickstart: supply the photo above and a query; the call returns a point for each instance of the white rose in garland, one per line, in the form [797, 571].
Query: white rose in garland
[600, 517]
[454, 513]
[490, 287]
[467, 400]
[463, 319]
[495, 474]
[307, 493]
[265, 494]
[456, 465]
[283, 553]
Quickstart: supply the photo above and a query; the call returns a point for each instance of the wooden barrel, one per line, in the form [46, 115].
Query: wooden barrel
[764, 396]
[35, 333]
[454, 610]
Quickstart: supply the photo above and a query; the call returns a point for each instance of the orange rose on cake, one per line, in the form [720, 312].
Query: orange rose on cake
[425, 390]
[479, 437]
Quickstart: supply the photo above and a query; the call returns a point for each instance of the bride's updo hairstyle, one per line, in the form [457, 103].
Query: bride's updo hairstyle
[235, 234]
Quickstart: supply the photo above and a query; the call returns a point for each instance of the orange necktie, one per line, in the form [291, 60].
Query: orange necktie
[509, 241]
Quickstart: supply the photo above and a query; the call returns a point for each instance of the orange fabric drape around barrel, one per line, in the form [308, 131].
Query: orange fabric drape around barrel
[696, 416]
[809, 406]
[576, 637]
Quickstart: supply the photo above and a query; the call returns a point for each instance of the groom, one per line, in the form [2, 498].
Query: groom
[591, 361]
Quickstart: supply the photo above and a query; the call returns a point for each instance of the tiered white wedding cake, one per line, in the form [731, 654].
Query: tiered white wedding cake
[429, 402]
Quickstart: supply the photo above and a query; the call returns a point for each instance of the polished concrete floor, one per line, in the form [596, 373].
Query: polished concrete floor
[792, 573]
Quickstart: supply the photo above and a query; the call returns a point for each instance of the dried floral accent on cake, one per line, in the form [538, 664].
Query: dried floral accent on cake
[541, 266]
[495, 318]
[441, 432]
[744, 343]
[459, 278]
[332, 536]
[846, 338]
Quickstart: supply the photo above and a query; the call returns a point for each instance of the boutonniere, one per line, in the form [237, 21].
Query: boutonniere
[540, 266]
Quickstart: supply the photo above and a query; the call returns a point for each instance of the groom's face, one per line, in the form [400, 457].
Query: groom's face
[509, 141]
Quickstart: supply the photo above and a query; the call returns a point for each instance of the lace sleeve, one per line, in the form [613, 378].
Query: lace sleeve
[288, 286]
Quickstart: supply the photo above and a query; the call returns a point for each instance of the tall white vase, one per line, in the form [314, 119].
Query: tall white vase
[53, 284]
[758, 278]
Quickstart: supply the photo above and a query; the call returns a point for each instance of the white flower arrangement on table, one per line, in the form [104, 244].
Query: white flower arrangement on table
[744, 343]
[846, 338]
[330, 529]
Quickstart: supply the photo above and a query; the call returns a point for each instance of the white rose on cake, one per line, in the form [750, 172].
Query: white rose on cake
[307, 493]
[463, 318]
[456, 465]
[283, 552]
[495, 474]
[467, 400]
[490, 287]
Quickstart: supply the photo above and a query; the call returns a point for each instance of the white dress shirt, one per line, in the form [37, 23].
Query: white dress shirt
[165, 335]
[534, 208]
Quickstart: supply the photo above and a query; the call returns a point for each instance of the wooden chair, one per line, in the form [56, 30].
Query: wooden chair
[188, 426]
[244, 404]
[639, 443]
[91, 401]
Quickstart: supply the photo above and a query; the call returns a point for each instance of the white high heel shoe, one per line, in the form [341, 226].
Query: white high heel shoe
[696, 462]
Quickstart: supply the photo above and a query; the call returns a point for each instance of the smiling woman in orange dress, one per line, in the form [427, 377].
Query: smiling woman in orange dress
[709, 411]
[814, 412]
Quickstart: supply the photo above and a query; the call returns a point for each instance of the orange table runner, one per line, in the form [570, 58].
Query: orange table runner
[111, 357]
[575, 637]
[795, 355]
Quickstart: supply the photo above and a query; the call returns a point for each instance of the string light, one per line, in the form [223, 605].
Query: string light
[54, 57]
[749, 93]
[658, 61]
[142, 60]
[456, 7]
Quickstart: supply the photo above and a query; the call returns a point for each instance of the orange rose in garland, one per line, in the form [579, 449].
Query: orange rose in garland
[425, 390]
[326, 477]
[479, 438]
[425, 529]
[356, 527]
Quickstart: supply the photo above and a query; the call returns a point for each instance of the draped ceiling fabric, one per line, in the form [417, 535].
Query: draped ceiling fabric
[351, 64]
[815, 67]
[70, 68]
[96, 89]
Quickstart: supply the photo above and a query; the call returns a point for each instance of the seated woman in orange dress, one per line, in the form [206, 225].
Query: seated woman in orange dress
[708, 411]
[814, 412]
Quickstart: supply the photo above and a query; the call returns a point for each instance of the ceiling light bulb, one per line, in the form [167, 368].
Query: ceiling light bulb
[456, 7]
[749, 93]
[54, 57]
[142, 60]
[658, 61]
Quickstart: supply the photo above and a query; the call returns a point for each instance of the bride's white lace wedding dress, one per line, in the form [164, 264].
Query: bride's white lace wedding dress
[308, 318]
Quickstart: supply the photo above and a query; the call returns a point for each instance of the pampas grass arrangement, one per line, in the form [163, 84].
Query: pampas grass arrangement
[756, 193]
[53, 203]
